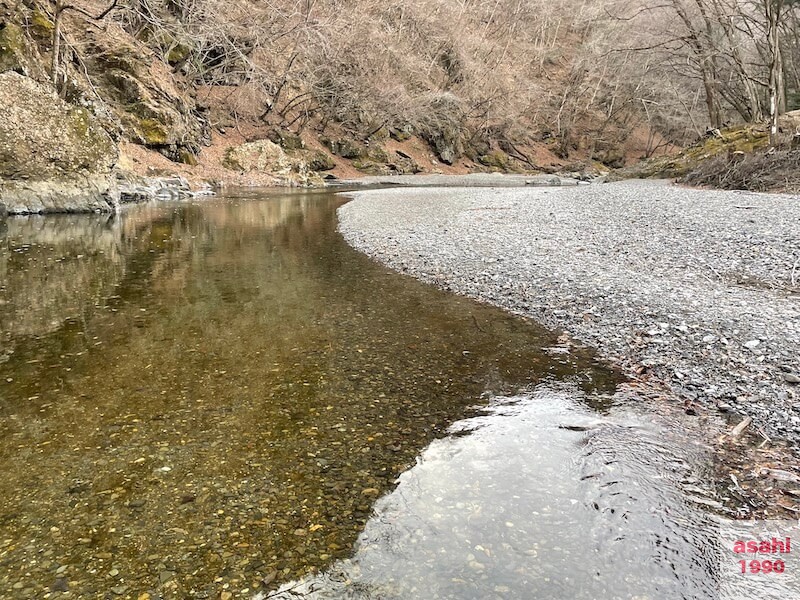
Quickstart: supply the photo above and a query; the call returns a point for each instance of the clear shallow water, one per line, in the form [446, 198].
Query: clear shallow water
[210, 397]
[542, 499]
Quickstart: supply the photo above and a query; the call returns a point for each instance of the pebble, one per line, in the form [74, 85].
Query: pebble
[165, 576]
[60, 585]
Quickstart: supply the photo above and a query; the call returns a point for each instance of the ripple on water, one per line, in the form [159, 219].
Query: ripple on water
[542, 499]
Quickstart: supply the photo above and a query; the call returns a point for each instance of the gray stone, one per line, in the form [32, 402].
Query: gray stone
[60, 585]
[54, 157]
[166, 576]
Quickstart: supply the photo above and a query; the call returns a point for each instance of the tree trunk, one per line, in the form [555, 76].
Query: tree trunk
[699, 42]
[773, 9]
[56, 62]
[712, 100]
[753, 112]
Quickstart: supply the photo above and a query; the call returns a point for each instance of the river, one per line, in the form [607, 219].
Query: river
[222, 399]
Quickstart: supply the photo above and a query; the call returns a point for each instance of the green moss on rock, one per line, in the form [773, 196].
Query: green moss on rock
[178, 53]
[381, 135]
[743, 138]
[124, 58]
[496, 159]
[186, 157]
[377, 154]
[153, 132]
[286, 140]
[371, 168]
[401, 135]
[319, 161]
[346, 148]
[41, 25]
[12, 47]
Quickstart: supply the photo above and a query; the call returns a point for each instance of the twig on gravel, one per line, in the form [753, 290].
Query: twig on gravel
[739, 429]
[709, 267]
[767, 439]
[794, 271]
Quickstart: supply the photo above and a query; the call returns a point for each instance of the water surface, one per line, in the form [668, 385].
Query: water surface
[543, 499]
[209, 397]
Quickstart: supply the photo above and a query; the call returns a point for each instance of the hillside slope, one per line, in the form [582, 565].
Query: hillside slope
[294, 91]
[297, 91]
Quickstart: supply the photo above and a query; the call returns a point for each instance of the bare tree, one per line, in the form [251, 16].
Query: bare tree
[60, 8]
[776, 13]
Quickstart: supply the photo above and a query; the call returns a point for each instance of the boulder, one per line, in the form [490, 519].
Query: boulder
[496, 160]
[265, 156]
[319, 161]
[446, 143]
[262, 156]
[346, 148]
[286, 140]
[790, 122]
[54, 157]
[372, 168]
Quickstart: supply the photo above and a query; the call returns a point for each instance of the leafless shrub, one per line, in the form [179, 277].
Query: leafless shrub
[760, 172]
[587, 72]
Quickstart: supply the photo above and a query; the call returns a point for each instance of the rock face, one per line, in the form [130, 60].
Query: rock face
[143, 94]
[54, 157]
[133, 92]
[265, 156]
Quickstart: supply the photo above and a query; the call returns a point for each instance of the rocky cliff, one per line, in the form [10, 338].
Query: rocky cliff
[54, 157]
[59, 149]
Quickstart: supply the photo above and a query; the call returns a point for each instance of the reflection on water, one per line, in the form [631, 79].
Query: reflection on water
[208, 398]
[542, 500]
[52, 269]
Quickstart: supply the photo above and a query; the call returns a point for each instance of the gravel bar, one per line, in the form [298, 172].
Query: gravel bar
[469, 180]
[698, 288]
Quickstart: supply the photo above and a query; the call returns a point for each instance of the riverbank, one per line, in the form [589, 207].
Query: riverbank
[694, 289]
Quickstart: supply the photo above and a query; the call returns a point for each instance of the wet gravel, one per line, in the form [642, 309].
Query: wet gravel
[698, 288]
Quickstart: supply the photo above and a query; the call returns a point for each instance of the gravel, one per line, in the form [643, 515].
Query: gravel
[698, 288]
[468, 180]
